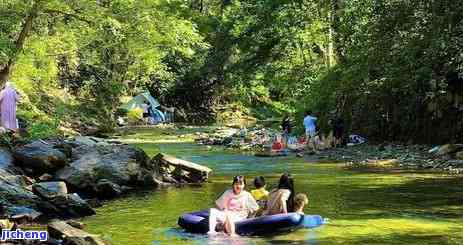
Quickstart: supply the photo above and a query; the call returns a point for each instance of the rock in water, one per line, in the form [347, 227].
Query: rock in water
[40, 157]
[181, 170]
[72, 235]
[49, 190]
[119, 164]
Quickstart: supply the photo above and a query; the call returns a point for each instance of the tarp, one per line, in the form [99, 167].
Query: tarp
[139, 100]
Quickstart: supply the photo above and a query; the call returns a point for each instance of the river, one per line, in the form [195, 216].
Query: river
[363, 207]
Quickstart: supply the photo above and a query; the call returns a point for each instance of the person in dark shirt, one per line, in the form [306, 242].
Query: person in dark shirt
[286, 127]
[338, 131]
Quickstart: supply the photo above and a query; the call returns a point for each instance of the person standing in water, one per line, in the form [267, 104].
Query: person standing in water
[286, 127]
[8, 99]
[310, 129]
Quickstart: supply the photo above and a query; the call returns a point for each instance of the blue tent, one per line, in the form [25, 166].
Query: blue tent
[146, 98]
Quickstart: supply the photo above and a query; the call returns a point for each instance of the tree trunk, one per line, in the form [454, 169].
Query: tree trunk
[19, 43]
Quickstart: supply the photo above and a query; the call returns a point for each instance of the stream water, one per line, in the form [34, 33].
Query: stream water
[363, 207]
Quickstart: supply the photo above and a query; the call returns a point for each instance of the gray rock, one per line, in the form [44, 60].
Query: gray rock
[107, 189]
[71, 205]
[72, 235]
[84, 140]
[20, 212]
[6, 158]
[49, 190]
[181, 170]
[14, 196]
[76, 224]
[40, 156]
[7, 161]
[119, 164]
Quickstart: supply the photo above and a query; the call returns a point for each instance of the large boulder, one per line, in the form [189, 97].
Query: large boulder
[40, 156]
[119, 164]
[180, 171]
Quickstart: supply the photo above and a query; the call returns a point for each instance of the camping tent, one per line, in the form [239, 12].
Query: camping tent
[145, 98]
[139, 100]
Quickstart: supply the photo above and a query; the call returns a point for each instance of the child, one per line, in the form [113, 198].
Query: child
[260, 194]
[300, 200]
[234, 205]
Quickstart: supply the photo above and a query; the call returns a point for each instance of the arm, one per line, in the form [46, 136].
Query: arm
[222, 201]
[284, 198]
[252, 204]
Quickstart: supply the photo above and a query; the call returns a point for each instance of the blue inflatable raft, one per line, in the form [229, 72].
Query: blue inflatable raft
[198, 222]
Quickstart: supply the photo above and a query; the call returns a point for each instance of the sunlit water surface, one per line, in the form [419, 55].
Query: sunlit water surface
[363, 208]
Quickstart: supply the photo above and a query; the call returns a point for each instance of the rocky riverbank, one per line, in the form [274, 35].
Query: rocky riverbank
[62, 179]
[447, 157]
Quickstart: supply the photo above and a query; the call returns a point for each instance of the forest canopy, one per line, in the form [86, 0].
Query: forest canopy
[392, 69]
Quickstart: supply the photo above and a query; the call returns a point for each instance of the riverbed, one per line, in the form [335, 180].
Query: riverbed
[363, 207]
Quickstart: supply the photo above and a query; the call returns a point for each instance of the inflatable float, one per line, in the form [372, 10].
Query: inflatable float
[198, 222]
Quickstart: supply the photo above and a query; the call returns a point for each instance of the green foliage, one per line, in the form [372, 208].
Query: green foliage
[391, 69]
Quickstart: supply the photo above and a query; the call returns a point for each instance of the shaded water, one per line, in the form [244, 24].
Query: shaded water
[364, 208]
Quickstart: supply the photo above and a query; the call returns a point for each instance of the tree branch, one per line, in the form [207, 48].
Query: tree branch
[74, 16]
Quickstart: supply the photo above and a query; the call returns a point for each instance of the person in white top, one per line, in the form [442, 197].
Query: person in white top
[234, 205]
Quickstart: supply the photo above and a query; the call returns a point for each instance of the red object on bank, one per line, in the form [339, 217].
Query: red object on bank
[276, 146]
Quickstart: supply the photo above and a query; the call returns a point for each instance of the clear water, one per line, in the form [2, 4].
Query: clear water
[364, 208]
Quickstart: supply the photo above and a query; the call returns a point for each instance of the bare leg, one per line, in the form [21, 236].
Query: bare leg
[214, 214]
[230, 224]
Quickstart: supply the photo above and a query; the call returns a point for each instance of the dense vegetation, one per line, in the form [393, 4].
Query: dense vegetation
[393, 69]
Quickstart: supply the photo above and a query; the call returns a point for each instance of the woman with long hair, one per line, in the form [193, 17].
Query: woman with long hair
[281, 199]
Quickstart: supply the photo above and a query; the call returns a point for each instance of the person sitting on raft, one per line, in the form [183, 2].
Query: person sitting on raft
[260, 194]
[281, 200]
[300, 200]
[234, 205]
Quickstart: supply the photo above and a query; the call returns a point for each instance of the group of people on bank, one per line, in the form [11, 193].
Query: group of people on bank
[237, 204]
[312, 139]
